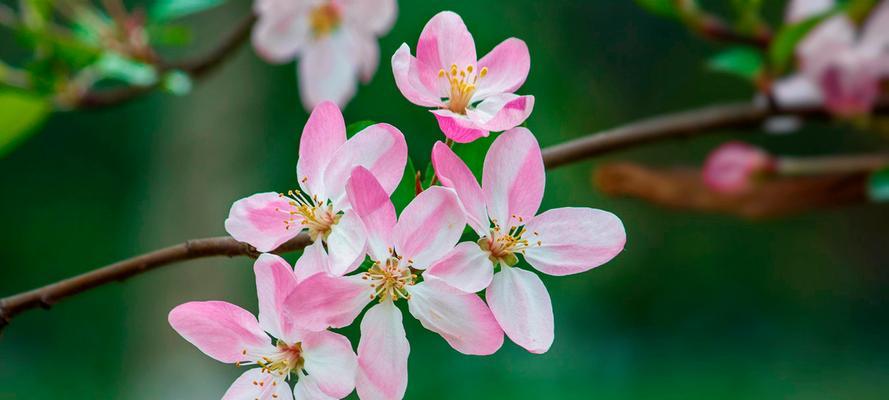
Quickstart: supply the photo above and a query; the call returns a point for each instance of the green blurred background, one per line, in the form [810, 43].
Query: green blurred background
[697, 306]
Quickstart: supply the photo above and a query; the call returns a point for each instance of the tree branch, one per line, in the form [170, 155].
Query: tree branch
[683, 124]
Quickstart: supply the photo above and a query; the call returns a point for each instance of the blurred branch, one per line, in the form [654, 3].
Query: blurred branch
[711, 27]
[678, 125]
[799, 166]
[196, 68]
[684, 189]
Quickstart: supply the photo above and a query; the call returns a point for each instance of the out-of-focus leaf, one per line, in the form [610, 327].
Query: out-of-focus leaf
[20, 114]
[663, 8]
[788, 37]
[859, 10]
[169, 35]
[115, 66]
[36, 13]
[165, 10]
[356, 127]
[878, 186]
[177, 83]
[743, 62]
[407, 188]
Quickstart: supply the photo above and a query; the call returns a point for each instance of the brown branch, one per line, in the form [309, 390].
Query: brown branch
[197, 68]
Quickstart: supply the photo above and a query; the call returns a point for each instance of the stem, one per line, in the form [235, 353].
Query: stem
[842, 164]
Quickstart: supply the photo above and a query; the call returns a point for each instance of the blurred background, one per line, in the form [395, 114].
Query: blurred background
[697, 306]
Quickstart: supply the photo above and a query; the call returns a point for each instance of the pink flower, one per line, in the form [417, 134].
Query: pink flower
[479, 94]
[336, 39]
[323, 362]
[502, 210]
[732, 167]
[427, 229]
[266, 220]
[839, 66]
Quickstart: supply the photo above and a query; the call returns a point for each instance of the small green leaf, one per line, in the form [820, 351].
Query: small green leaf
[165, 10]
[663, 8]
[359, 126]
[115, 66]
[169, 35]
[177, 83]
[788, 37]
[878, 186]
[744, 62]
[20, 114]
[407, 188]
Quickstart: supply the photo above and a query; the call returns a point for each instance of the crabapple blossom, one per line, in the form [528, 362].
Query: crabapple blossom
[320, 207]
[471, 96]
[335, 39]
[733, 166]
[322, 362]
[401, 248]
[502, 210]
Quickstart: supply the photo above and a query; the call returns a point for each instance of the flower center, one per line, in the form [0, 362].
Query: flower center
[324, 19]
[463, 84]
[285, 360]
[316, 216]
[390, 279]
[502, 247]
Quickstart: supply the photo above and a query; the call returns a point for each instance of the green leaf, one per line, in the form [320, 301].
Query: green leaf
[177, 83]
[407, 188]
[663, 8]
[20, 114]
[165, 10]
[878, 186]
[788, 37]
[115, 66]
[169, 35]
[744, 62]
[359, 126]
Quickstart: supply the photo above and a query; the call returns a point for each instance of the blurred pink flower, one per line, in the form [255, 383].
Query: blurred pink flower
[323, 362]
[502, 211]
[335, 39]
[471, 97]
[733, 166]
[427, 229]
[267, 220]
[840, 65]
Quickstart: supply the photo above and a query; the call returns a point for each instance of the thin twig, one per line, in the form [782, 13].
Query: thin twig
[839, 164]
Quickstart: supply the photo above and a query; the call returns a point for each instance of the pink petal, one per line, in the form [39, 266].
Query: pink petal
[467, 268]
[513, 177]
[371, 204]
[799, 10]
[328, 70]
[407, 78]
[876, 30]
[445, 41]
[246, 387]
[274, 281]
[508, 65]
[797, 90]
[371, 16]
[331, 362]
[851, 84]
[346, 243]
[501, 112]
[324, 133]
[462, 319]
[733, 166]
[452, 172]
[323, 301]
[522, 306]
[260, 220]
[458, 127]
[382, 354]
[368, 54]
[380, 148]
[307, 389]
[313, 260]
[818, 49]
[573, 240]
[221, 330]
[279, 38]
[429, 226]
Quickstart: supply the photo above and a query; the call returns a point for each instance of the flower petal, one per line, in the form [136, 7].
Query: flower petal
[508, 65]
[466, 268]
[347, 244]
[462, 319]
[797, 90]
[372, 16]
[380, 148]
[732, 167]
[221, 330]
[513, 177]
[307, 389]
[324, 133]
[819, 47]
[429, 227]
[876, 30]
[331, 362]
[406, 70]
[368, 54]
[445, 41]
[323, 301]
[328, 70]
[573, 240]
[279, 38]
[501, 112]
[261, 220]
[799, 10]
[453, 173]
[382, 354]
[247, 387]
[458, 127]
[313, 260]
[522, 306]
[274, 281]
[371, 204]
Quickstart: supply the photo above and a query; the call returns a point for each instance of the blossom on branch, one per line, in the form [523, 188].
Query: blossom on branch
[733, 167]
[471, 97]
[336, 41]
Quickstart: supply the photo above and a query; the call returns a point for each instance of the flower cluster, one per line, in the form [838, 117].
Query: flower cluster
[364, 253]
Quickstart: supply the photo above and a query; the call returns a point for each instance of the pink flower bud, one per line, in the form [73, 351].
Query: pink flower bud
[732, 167]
